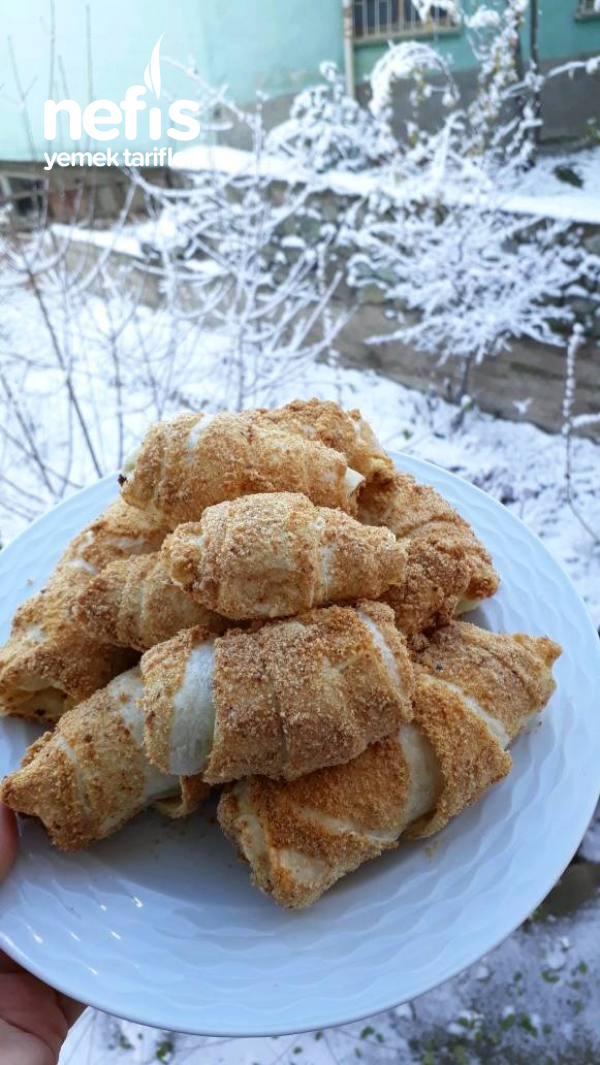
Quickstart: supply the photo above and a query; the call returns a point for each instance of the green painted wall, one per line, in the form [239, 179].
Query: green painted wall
[123, 34]
[562, 34]
[274, 46]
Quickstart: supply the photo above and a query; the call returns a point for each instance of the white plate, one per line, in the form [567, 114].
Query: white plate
[160, 924]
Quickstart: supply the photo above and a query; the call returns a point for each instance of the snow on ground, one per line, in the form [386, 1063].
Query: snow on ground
[550, 181]
[561, 185]
[132, 241]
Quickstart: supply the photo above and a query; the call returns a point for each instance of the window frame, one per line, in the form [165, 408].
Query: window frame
[585, 14]
[424, 32]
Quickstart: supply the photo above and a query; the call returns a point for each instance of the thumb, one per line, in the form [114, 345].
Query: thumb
[8, 840]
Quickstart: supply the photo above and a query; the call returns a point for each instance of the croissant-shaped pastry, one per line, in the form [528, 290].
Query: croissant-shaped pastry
[49, 663]
[91, 775]
[193, 461]
[448, 570]
[272, 555]
[281, 701]
[474, 692]
[344, 431]
[133, 603]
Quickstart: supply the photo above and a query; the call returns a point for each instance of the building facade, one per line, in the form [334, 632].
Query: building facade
[273, 47]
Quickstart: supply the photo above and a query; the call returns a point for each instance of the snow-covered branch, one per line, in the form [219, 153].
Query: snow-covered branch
[471, 278]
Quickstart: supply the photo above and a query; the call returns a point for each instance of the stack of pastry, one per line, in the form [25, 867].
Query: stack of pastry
[269, 609]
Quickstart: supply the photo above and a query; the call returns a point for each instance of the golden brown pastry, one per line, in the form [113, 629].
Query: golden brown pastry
[272, 555]
[344, 431]
[91, 775]
[293, 696]
[448, 570]
[474, 692]
[49, 662]
[133, 603]
[193, 461]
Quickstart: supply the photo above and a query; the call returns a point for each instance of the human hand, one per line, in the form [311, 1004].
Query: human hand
[34, 1018]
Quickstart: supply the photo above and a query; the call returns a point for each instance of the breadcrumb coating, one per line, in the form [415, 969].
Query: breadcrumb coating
[448, 569]
[300, 837]
[319, 683]
[184, 466]
[314, 830]
[274, 555]
[504, 678]
[344, 431]
[290, 697]
[91, 775]
[133, 603]
[469, 755]
[49, 662]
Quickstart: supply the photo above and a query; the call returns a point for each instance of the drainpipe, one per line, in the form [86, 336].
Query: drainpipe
[348, 22]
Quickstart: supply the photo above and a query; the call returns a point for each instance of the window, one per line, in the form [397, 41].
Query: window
[588, 7]
[380, 20]
[23, 191]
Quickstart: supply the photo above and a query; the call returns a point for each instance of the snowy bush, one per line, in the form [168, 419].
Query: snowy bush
[246, 279]
[495, 135]
[327, 129]
[470, 278]
[494, 37]
[409, 61]
[498, 131]
[85, 364]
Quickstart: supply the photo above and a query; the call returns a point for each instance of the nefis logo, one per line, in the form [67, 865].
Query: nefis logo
[123, 117]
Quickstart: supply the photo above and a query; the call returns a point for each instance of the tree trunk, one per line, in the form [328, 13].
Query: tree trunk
[534, 67]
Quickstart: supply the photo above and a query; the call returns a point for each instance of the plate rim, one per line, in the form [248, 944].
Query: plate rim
[429, 473]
